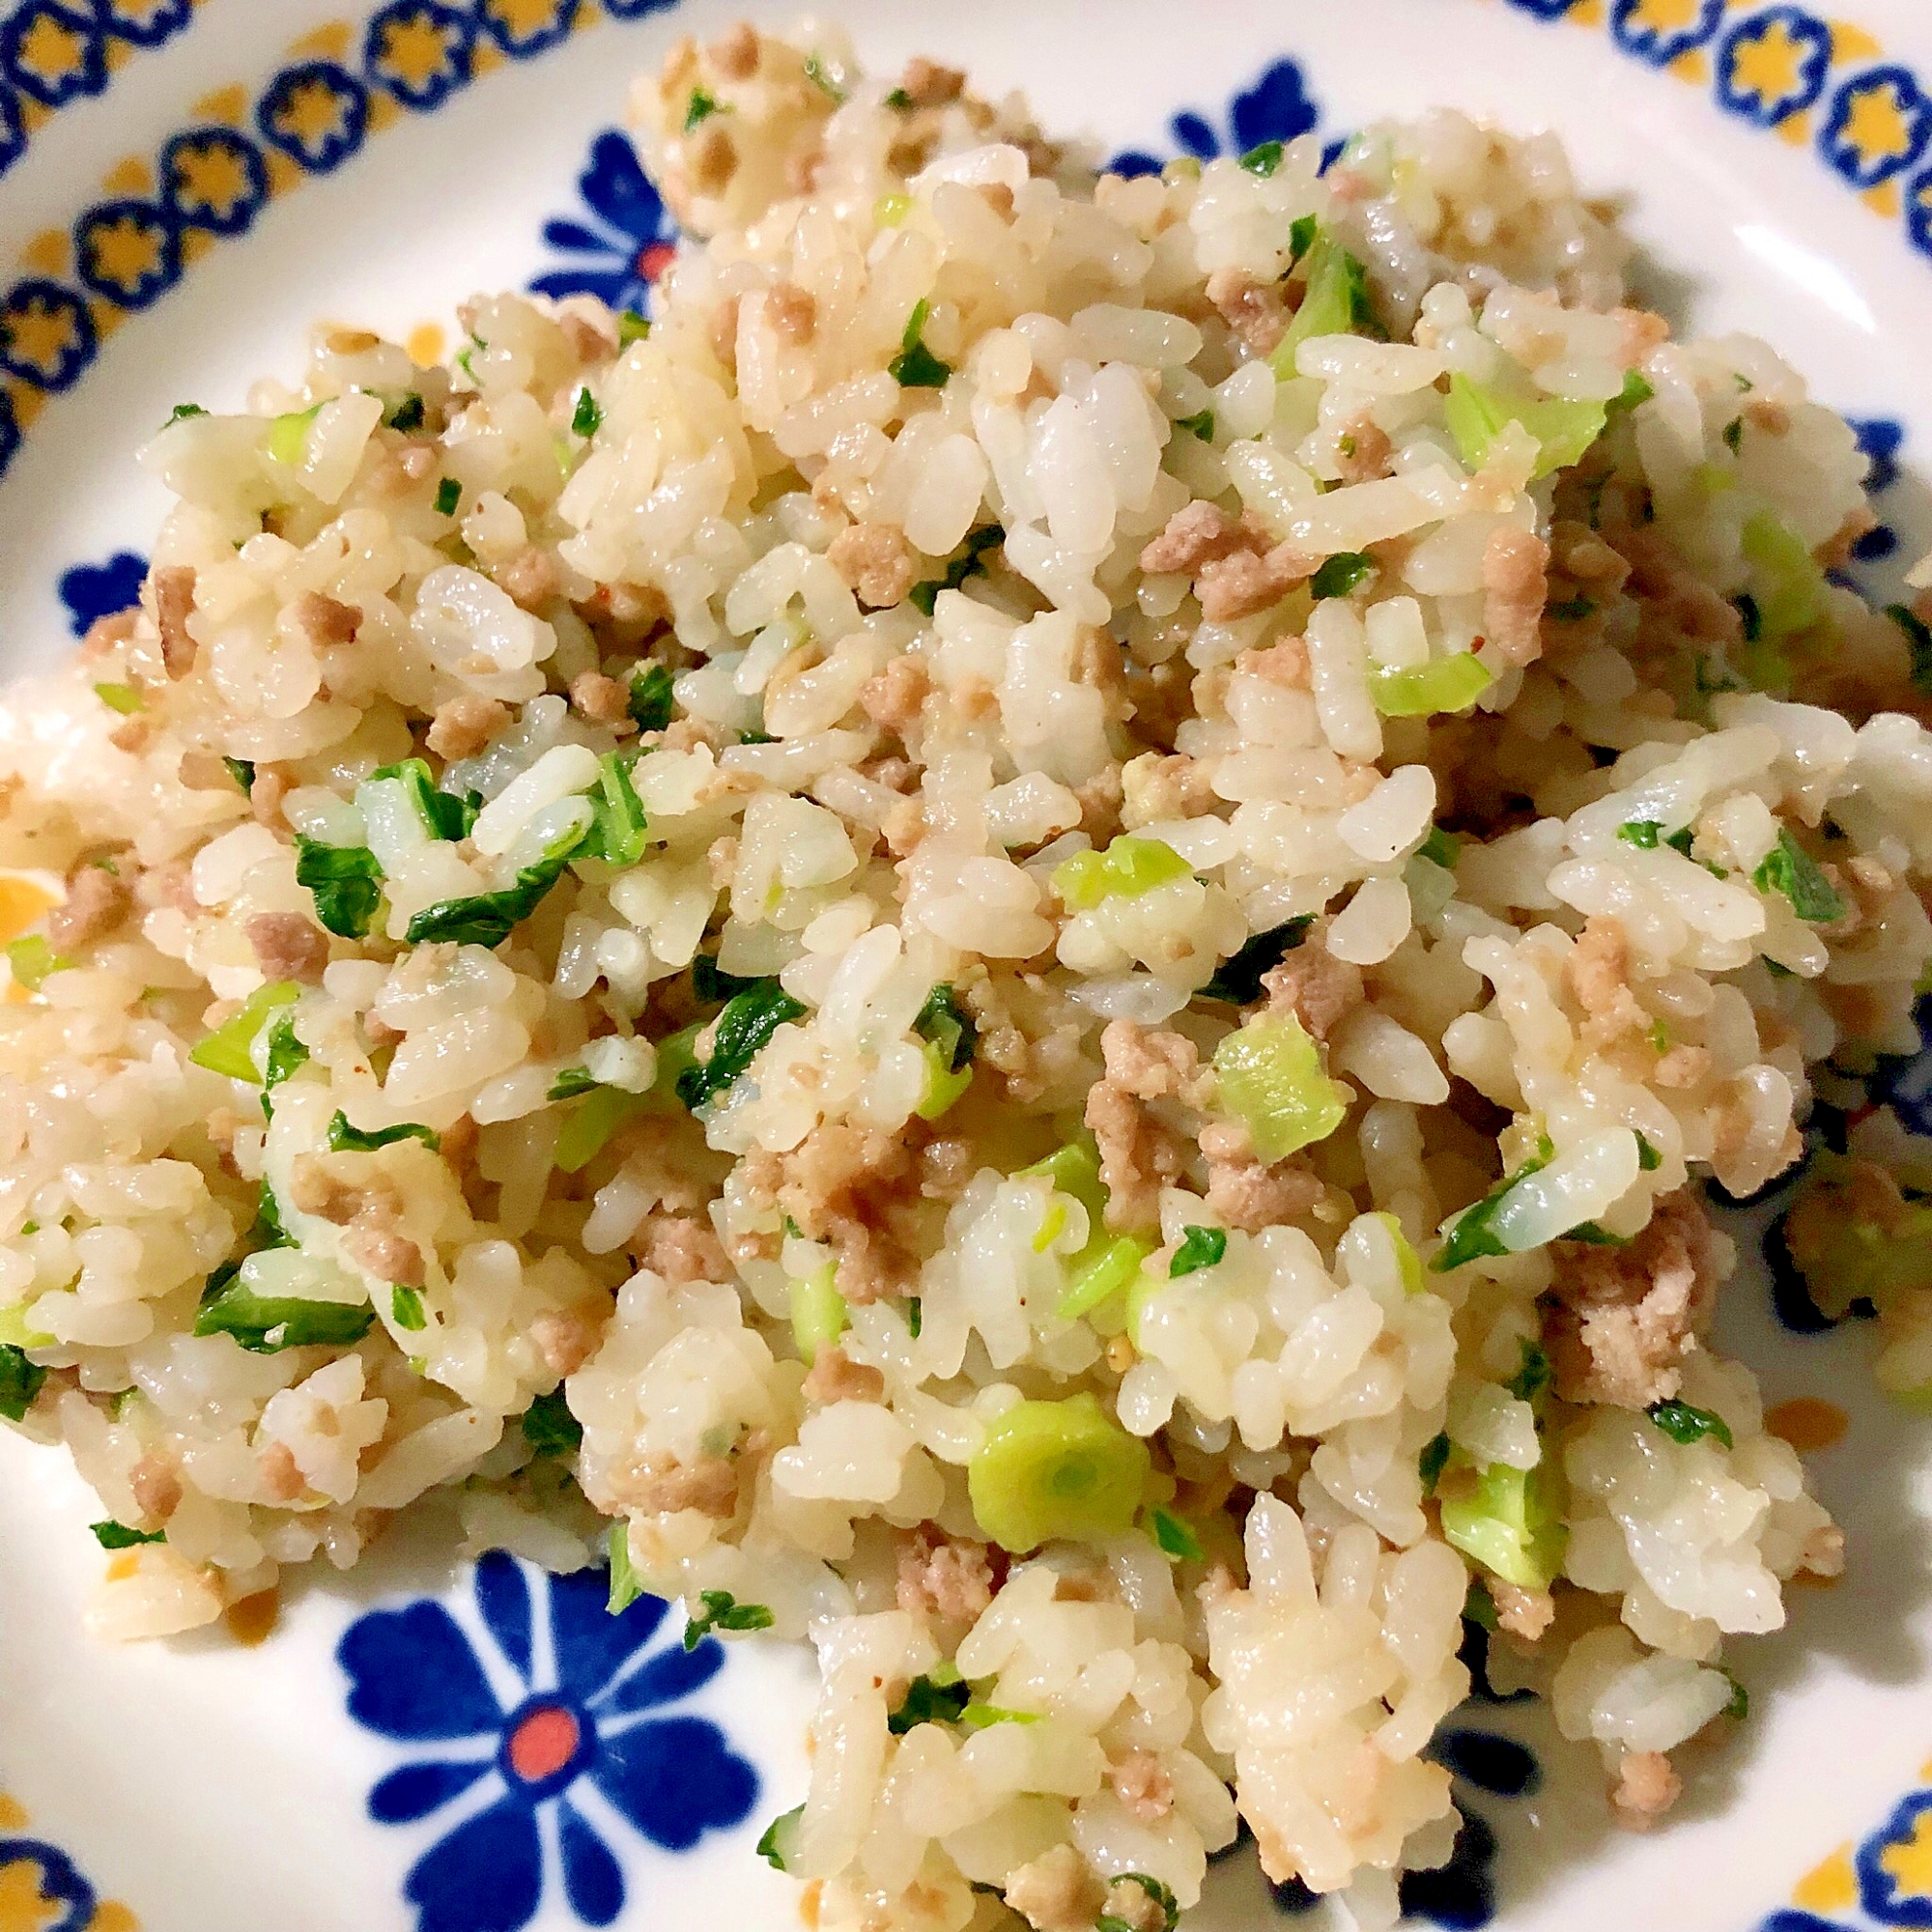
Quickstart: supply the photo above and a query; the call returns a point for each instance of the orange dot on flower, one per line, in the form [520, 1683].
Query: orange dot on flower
[543, 1743]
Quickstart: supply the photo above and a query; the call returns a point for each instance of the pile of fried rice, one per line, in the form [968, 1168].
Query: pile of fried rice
[1017, 942]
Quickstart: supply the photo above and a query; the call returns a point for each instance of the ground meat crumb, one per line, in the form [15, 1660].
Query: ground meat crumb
[287, 947]
[1523, 1613]
[859, 1189]
[1647, 1787]
[339, 1188]
[659, 1486]
[465, 726]
[939, 1576]
[280, 1474]
[834, 1376]
[602, 699]
[944, 1166]
[792, 312]
[1624, 1319]
[96, 903]
[1056, 1893]
[324, 621]
[1154, 1063]
[1142, 1785]
[1314, 986]
[875, 560]
[1244, 584]
[1140, 1154]
[158, 1487]
[108, 634]
[1199, 533]
[373, 1245]
[894, 697]
[683, 1249]
[928, 84]
[1244, 1193]
[734, 53]
[530, 577]
[1363, 450]
[566, 1338]
[1257, 312]
[1516, 586]
[174, 599]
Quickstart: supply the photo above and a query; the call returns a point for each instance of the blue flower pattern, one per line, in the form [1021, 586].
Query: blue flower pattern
[622, 258]
[1275, 108]
[588, 1731]
[99, 590]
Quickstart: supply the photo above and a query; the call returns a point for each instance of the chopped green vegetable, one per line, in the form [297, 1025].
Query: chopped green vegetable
[937, 1699]
[32, 959]
[406, 1308]
[1648, 1159]
[1199, 1248]
[1470, 1233]
[345, 881]
[1787, 582]
[631, 328]
[713, 987]
[118, 1536]
[1100, 1272]
[1571, 610]
[781, 1838]
[266, 1324]
[916, 366]
[1738, 1703]
[1441, 848]
[1430, 1463]
[588, 1128]
[343, 1137]
[1341, 574]
[287, 435]
[1918, 638]
[1240, 976]
[943, 1021]
[1301, 233]
[587, 416]
[1420, 690]
[1683, 1423]
[1336, 303]
[738, 1036]
[626, 1585]
[818, 1313]
[230, 1048]
[1509, 1521]
[408, 414]
[20, 1381]
[651, 702]
[943, 1087]
[444, 814]
[815, 72]
[1174, 1536]
[619, 833]
[1790, 869]
[489, 918]
[549, 1426]
[182, 412]
[698, 108]
[913, 1317]
[1642, 833]
[1051, 1469]
[1479, 1606]
[121, 697]
[901, 102]
[1476, 414]
[449, 493]
[1263, 158]
[1155, 1889]
[1074, 1170]
[1734, 434]
[1200, 424]
[1272, 1077]
[242, 772]
[1636, 389]
[723, 1612]
[984, 1717]
[571, 1084]
[1129, 867]
[1534, 1376]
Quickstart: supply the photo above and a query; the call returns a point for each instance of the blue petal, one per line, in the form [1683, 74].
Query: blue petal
[503, 1596]
[412, 1676]
[1196, 136]
[675, 1779]
[605, 286]
[574, 236]
[670, 1675]
[592, 1881]
[417, 1789]
[591, 1644]
[1495, 1763]
[1461, 1895]
[1132, 163]
[615, 187]
[99, 590]
[1276, 108]
[487, 1876]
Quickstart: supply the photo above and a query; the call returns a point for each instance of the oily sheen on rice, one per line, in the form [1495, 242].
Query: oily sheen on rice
[1015, 945]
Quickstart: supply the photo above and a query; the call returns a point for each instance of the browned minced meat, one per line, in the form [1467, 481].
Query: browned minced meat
[267, 793]
[1363, 450]
[566, 1338]
[1597, 970]
[792, 312]
[340, 1188]
[462, 728]
[280, 1474]
[894, 697]
[373, 1242]
[834, 1376]
[1676, 593]
[1244, 584]
[174, 599]
[1056, 1893]
[1516, 586]
[1139, 1154]
[587, 342]
[1154, 1062]
[859, 1189]
[287, 947]
[660, 1484]
[1647, 1787]
[683, 1249]
[1285, 662]
[1623, 1318]
[156, 1484]
[875, 560]
[928, 84]
[1141, 1784]
[96, 903]
[939, 1576]
[1642, 332]
[1257, 312]
[944, 1166]
[324, 621]
[1313, 986]
[1100, 800]
[1200, 533]
[1170, 785]
[108, 633]
[530, 577]
[1243, 1192]
[734, 53]
[602, 699]
[1523, 1613]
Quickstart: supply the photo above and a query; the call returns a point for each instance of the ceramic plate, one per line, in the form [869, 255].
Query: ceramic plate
[425, 1747]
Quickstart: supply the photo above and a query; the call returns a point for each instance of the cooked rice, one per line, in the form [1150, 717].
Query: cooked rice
[1688, 798]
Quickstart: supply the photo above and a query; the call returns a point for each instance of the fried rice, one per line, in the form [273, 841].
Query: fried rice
[1016, 943]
